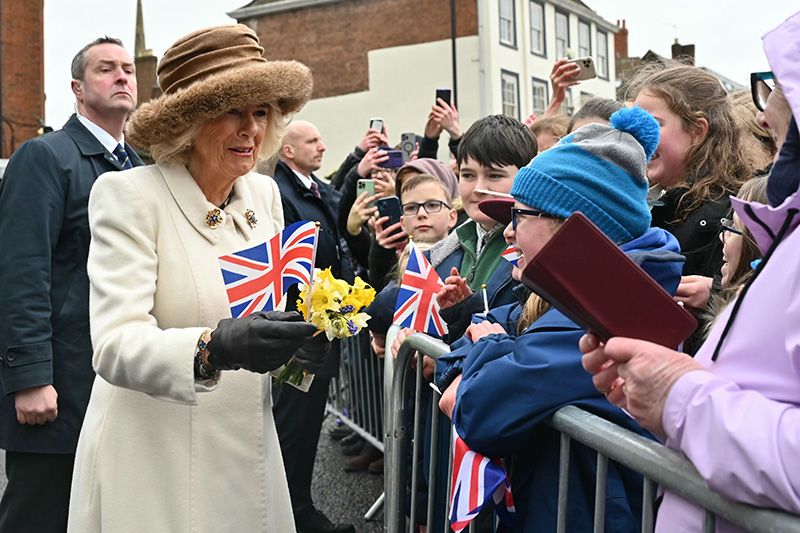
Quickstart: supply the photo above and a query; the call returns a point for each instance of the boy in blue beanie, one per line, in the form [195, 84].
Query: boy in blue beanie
[509, 374]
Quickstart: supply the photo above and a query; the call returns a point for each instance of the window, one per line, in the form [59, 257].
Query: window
[602, 54]
[540, 99]
[562, 34]
[509, 86]
[584, 39]
[508, 23]
[537, 28]
[568, 107]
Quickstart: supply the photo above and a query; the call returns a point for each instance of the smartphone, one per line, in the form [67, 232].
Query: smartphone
[408, 141]
[366, 185]
[395, 159]
[376, 124]
[586, 65]
[389, 207]
[444, 94]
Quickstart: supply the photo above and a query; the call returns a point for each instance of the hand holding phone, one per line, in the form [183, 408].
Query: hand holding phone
[389, 207]
[444, 94]
[376, 124]
[587, 70]
[368, 186]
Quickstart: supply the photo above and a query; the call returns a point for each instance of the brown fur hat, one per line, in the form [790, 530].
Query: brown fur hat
[210, 71]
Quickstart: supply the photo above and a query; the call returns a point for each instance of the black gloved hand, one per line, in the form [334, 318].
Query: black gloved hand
[314, 353]
[260, 342]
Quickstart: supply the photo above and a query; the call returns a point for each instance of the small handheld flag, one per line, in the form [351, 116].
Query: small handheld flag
[476, 480]
[416, 306]
[511, 255]
[256, 279]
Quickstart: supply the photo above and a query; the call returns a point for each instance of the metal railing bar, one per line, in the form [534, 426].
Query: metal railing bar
[449, 483]
[601, 478]
[648, 498]
[433, 461]
[396, 444]
[709, 522]
[666, 467]
[415, 447]
[355, 427]
[563, 484]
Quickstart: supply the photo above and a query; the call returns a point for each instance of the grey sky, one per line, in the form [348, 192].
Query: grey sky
[726, 34]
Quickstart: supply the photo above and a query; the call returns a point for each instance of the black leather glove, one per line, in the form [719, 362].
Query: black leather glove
[260, 342]
[314, 353]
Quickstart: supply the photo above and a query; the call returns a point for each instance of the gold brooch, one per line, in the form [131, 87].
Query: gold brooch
[214, 218]
[250, 215]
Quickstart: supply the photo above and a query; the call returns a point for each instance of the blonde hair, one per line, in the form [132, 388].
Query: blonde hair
[178, 148]
[535, 306]
[556, 125]
[419, 179]
[758, 148]
[715, 165]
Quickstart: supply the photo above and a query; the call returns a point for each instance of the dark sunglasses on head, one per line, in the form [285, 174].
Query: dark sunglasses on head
[761, 85]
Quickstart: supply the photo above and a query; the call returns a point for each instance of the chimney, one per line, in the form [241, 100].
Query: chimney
[683, 52]
[621, 41]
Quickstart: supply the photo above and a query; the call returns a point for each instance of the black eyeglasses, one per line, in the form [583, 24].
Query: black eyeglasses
[516, 212]
[431, 206]
[761, 85]
[726, 226]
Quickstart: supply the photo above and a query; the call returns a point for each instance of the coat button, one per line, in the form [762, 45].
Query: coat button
[703, 223]
[11, 356]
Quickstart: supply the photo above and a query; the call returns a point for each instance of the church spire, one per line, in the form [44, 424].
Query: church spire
[140, 49]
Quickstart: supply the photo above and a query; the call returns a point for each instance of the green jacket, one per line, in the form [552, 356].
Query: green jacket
[464, 241]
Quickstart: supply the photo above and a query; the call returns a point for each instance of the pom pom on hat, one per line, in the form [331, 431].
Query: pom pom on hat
[641, 125]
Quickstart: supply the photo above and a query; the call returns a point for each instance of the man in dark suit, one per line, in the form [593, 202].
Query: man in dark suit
[46, 371]
[299, 415]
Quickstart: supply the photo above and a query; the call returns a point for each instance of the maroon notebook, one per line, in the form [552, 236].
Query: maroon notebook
[589, 279]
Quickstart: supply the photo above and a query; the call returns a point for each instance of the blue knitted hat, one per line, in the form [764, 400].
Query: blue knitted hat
[597, 170]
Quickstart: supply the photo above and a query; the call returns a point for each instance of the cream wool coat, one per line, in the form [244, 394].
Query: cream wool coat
[158, 451]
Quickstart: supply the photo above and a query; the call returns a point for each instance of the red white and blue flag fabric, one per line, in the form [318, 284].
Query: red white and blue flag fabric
[476, 480]
[256, 279]
[510, 254]
[416, 306]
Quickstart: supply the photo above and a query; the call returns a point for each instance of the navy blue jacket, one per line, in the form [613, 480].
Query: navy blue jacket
[44, 315]
[512, 385]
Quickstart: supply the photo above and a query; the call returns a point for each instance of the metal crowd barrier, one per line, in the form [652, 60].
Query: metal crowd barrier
[657, 464]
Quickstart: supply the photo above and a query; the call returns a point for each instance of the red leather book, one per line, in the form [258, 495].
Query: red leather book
[587, 277]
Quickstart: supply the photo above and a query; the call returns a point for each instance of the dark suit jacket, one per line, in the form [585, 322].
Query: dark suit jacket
[44, 288]
[299, 203]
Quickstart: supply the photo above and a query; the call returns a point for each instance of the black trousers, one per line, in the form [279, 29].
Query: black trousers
[298, 420]
[37, 495]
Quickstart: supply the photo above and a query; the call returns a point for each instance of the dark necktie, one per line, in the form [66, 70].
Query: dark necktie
[315, 189]
[122, 157]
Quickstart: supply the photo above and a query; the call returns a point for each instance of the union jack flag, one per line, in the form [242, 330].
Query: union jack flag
[510, 254]
[256, 279]
[416, 306]
[476, 480]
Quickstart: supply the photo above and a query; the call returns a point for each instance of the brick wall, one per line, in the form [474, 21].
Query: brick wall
[334, 39]
[22, 71]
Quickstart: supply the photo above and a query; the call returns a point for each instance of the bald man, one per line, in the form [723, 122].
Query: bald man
[298, 415]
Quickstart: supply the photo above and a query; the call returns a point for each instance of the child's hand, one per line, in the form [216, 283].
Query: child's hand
[455, 290]
[393, 237]
[475, 332]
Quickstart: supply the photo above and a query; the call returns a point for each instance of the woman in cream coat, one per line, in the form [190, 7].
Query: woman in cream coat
[170, 444]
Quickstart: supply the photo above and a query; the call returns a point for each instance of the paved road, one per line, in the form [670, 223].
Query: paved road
[344, 497]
